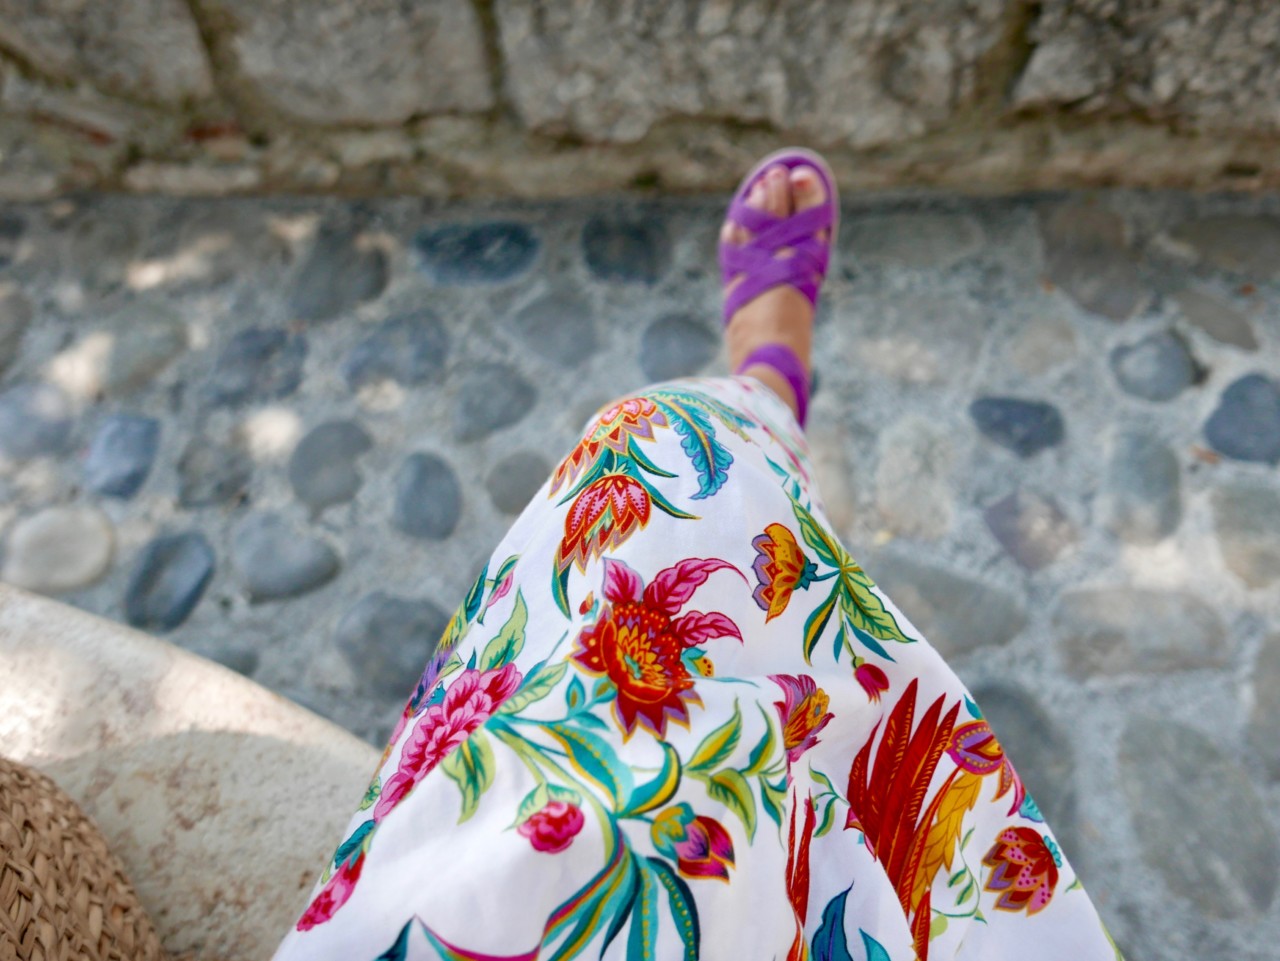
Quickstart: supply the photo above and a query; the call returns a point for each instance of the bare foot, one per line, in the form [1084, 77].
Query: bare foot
[781, 315]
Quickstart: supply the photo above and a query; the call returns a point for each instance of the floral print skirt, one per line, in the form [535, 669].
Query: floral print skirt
[675, 719]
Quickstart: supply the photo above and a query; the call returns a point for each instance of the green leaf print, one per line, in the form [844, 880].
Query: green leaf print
[594, 759]
[717, 746]
[657, 792]
[536, 686]
[472, 768]
[510, 640]
[732, 790]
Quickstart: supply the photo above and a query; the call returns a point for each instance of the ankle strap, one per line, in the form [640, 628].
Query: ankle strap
[784, 360]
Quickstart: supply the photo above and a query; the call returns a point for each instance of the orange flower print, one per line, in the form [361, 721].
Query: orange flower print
[632, 417]
[781, 568]
[601, 518]
[803, 711]
[644, 649]
[1025, 869]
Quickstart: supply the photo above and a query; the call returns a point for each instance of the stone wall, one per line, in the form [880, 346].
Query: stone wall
[521, 97]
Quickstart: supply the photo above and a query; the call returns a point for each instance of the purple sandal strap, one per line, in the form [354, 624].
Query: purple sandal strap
[752, 218]
[784, 360]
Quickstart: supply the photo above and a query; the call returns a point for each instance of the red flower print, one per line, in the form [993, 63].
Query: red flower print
[975, 749]
[872, 679]
[640, 645]
[554, 827]
[632, 417]
[780, 567]
[601, 518]
[333, 895]
[701, 846]
[470, 700]
[1025, 869]
[803, 712]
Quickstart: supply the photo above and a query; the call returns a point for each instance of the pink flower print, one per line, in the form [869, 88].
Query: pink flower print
[333, 895]
[470, 701]
[554, 827]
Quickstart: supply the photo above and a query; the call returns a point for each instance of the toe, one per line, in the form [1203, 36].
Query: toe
[777, 192]
[808, 190]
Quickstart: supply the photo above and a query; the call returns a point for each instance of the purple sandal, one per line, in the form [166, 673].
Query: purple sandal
[762, 270]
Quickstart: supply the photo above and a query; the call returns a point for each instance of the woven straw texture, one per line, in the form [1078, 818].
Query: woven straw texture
[63, 895]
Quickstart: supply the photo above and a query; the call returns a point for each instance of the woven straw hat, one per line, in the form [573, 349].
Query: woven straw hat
[63, 895]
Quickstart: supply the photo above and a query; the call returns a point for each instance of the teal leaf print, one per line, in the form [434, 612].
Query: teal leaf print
[717, 746]
[537, 684]
[683, 910]
[576, 695]
[399, 949]
[731, 789]
[875, 951]
[829, 941]
[773, 794]
[762, 753]
[710, 458]
[471, 767]
[642, 942]
[594, 759]
[657, 792]
[471, 606]
[506, 646]
[625, 901]
[543, 795]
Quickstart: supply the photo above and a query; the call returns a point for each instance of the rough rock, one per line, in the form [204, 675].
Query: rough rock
[1246, 521]
[1199, 820]
[428, 498]
[373, 62]
[1087, 255]
[1249, 246]
[475, 253]
[1219, 320]
[276, 561]
[956, 614]
[879, 75]
[257, 364]
[1031, 528]
[340, 272]
[676, 345]
[147, 49]
[490, 397]
[15, 315]
[627, 250]
[1158, 367]
[323, 468]
[210, 473]
[559, 327]
[1110, 631]
[1264, 717]
[121, 454]
[1025, 427]
[1141, 498]
[35, 419]
[388, 639]
[168, 580]
[914, 478]
[409, 348]
[1246, 424]
[59, 549]
[515, 479]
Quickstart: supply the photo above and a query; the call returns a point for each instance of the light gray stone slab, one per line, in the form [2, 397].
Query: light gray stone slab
[1246, 520]
[58, 549]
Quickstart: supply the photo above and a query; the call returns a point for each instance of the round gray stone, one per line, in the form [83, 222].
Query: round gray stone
[1238, 243]
[676, 346]
[914, 239]
[626, 249]
[59, 549]
[15, 314]
[212, 473]
[1121, 630]
[913, 478]
[256, 365]
[408, 348]
[338, 274]
[1220, 321]
[1025, 427]
[1041, 754]
[1141, 500]
[1086, 255]
[121, 454]
[12, 229]
[475, 253]
[1264, 717]
[1031, 528]
[1246, 424]
[1158, 367]
[558, 327]
[490, 397]
[276, 560]
[957, 614]
[1199, 821]
[515, 479]
[388, 639]
[428, 500]
[1246, 521]
[35, 419]
[168, 580]
[1042, 344]
[152, 336]
[323, 468]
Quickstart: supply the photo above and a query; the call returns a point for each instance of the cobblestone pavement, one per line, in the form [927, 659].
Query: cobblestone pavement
[286, 434]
